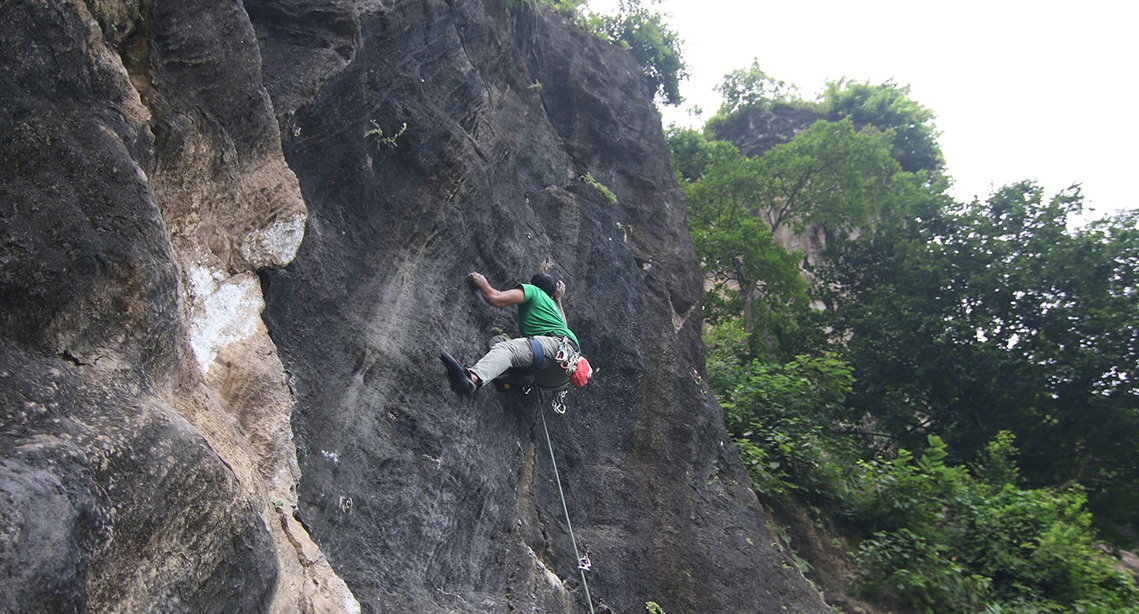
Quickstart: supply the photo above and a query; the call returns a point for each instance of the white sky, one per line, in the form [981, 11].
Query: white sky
[1044, 90]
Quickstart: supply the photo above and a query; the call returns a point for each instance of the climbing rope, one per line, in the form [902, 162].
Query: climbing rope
[583, 563]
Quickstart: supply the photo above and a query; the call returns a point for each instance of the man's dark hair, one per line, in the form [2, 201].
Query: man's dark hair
[548, 284]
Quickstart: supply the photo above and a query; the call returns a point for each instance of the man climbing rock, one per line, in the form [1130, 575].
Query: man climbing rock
[545, 335]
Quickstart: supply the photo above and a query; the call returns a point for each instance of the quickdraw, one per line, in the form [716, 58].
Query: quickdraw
[559, 402]
[567, 356]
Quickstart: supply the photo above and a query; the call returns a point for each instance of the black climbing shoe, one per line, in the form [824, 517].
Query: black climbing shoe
[461, 381]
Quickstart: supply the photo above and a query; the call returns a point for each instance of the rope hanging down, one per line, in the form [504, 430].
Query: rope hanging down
[583, 563]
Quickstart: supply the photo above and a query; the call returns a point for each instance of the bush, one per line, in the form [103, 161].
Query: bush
[931, 579]
[779, 416]
[654, 45]
[605, 192]
[1039, 545]
[949, 542]
[569, 8]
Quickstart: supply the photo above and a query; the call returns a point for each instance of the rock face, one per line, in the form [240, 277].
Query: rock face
[162, 160]
[146, 455]
[755, 130]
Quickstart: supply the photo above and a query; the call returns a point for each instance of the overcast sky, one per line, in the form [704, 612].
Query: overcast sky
[1042, 90]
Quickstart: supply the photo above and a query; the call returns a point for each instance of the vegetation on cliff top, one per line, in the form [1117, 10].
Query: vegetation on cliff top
[654, 45]
[950, 331]
[644, 32]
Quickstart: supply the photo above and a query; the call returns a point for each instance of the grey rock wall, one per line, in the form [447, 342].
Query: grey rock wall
[453, 506]
[166, 447]
[146, 455]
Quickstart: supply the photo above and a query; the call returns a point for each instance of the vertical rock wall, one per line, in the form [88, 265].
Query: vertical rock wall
[426, 502]
[146, 455]
[157, 454]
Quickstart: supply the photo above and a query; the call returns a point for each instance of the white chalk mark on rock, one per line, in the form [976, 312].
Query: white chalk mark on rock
[224, 313]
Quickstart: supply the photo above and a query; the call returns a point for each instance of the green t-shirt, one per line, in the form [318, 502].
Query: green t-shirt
[539, 315]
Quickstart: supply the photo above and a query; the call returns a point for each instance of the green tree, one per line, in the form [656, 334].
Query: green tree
[888, 107]
[971, 319]
[688, 152]
[654, 45]
[751, 87]
[830, 174]
[737, 252]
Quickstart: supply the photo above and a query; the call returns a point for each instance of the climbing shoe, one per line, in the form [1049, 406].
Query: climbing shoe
[461, 381]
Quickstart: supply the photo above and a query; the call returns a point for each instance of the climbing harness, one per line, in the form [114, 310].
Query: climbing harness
[577, 368]
[538, 360]
[583, 563]
[523, 375]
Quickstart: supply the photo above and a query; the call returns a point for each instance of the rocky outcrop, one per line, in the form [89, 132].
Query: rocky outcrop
[147, 456]
[166, 447]
[754, 130]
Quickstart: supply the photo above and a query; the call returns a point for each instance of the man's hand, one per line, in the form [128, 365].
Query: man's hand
[478, 279]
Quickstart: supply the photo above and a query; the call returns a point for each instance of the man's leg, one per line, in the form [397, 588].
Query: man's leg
[502, 356]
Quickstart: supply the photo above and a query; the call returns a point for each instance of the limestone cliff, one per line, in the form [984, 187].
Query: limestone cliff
[169, 170]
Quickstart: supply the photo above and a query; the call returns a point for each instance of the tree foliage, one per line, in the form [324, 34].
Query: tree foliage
[830, 174]
[952, 543]
[888, 107]
[781, 415]
[688, 152]
[977, 318]
[740, 258]
[654, 45]
[941, 537]
[751, 87]
[953, 328]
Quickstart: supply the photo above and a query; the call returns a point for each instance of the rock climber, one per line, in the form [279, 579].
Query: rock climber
[545, 332]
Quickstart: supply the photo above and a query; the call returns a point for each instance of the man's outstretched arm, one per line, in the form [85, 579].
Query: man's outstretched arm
[558, 299]
[497, 298]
